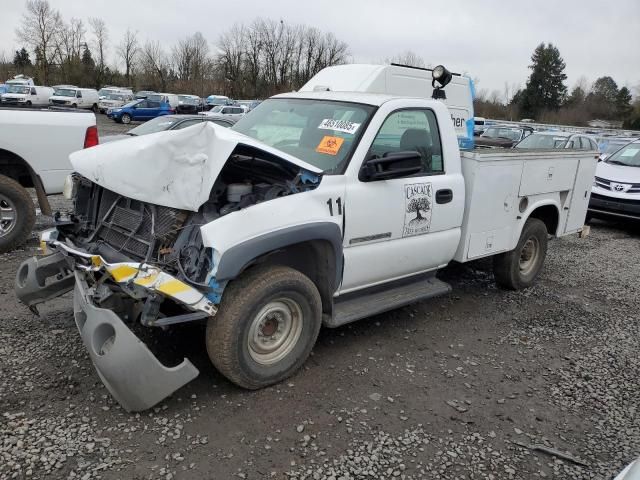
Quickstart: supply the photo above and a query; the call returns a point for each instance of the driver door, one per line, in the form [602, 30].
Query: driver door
[406, 225]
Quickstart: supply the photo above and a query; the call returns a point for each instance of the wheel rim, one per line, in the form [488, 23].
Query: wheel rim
[126, 119]
[8, 215]
[275, 331]
[529, 255]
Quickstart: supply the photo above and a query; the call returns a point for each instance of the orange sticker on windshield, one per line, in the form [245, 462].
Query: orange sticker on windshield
[330, 145]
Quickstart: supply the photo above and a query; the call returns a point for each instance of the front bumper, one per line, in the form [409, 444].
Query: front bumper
[131, 373]
[605, 206]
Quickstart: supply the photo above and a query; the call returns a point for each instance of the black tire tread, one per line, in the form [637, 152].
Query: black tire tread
[26, 214]
[504, 264]
[221, 332]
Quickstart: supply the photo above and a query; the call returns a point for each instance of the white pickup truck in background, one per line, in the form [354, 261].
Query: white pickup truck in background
[320, 207]
[34, 153]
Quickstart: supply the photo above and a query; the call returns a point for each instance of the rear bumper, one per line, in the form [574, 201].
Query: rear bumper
[131, 373]
[604, 206]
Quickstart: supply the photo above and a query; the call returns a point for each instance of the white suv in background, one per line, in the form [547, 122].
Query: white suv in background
[114, 99]
[616, 189]
[235, 112]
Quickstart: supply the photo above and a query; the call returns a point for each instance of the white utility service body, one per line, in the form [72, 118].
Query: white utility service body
[319, 207]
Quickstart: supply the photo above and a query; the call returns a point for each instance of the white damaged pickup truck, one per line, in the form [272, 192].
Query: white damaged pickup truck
[320, 207]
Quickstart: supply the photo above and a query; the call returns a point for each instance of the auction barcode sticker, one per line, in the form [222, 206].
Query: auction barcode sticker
[339, 126]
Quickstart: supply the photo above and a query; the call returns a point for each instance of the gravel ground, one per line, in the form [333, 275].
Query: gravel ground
[482, 383]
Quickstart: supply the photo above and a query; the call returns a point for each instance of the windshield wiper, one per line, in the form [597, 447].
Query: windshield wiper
[616, 162]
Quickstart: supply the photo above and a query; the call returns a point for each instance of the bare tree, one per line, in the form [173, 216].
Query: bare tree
[100, 40]
[231, 46]
[408, 57]
[39, 27]
[128, 50]
[69, 42]
[155, 63]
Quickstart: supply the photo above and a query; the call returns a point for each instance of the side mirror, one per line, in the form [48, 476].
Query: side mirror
[391, 165]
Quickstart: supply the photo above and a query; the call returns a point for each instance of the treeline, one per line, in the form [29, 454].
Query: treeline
[252, 61]
[545, 97]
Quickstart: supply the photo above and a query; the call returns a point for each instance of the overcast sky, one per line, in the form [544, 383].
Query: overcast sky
[491, 40]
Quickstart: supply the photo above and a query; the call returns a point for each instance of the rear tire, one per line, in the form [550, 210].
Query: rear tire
[125, 118]
[17, 214]
[94, 108]
[520, 267]
[267, 324]
[73, 105]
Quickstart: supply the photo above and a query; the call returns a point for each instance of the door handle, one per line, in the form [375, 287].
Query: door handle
[444, 196]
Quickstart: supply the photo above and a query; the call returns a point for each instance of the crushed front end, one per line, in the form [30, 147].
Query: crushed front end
[128, 261]
[134, 261]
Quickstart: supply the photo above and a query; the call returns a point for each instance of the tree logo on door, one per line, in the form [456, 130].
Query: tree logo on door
[418, 201]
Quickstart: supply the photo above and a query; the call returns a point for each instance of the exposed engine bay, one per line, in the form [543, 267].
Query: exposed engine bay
[121, 229]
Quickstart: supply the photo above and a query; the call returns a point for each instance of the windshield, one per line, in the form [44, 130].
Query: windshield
[540, 140]
[157, 124]
[217, 109]
[18, 89]
[66, 92]
[502, 132]
[613, 146]
[131, 104]
[628, 156]
[320, 132]
[116, 96]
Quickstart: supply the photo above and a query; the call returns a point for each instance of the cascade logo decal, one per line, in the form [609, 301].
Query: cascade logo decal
[418, 198]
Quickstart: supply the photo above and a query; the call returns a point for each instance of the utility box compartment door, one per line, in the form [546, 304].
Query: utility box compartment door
[581, 194]
[546, 176]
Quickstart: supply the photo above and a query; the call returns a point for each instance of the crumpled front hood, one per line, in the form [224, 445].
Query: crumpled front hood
[175, 169]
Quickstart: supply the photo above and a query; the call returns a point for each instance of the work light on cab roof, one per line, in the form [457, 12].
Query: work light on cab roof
[441, 78]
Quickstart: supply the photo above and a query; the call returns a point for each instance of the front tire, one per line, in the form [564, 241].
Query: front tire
[94, 108]
[126, 118]
[266, 326]
[17, 214]
[520, 267]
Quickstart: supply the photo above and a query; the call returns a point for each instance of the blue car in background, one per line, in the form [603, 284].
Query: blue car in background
[3, 88]
[139, 110]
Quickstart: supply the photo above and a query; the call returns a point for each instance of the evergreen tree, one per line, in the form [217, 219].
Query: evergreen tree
[623, 103]
[21, 59]
[576, 97]
[545, 89]
[602, 98]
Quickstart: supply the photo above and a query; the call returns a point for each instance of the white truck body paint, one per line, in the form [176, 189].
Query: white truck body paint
[44, 139]
[175, 169]
[299, 209]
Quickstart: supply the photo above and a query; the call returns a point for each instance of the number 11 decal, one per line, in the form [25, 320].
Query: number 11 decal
[338, 203]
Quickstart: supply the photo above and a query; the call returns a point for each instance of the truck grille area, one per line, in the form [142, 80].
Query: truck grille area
[136, 229]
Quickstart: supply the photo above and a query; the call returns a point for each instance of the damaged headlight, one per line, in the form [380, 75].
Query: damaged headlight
[70, 187]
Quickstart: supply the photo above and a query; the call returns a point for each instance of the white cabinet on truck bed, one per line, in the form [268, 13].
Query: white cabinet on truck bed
[504, 186]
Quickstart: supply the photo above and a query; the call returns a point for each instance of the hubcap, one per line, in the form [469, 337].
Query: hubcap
[8, 215]
[529, 256]
[274, 331]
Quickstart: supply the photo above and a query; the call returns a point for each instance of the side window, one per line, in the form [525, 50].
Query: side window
[33, 91]
[79, 94]
[585, 144]
[152, 104]
[411, 130]
[142, 104]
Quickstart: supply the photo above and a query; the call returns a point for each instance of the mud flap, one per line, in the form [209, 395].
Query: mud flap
[131, 373]
[42, 278]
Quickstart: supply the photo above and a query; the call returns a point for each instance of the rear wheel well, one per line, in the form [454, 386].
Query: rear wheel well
[13, 166]
[549, 215]
[315, 259]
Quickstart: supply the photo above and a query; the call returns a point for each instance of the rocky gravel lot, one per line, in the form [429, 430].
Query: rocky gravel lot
[480, 384]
